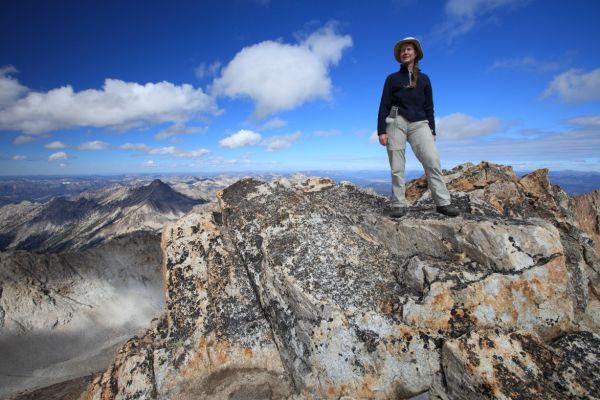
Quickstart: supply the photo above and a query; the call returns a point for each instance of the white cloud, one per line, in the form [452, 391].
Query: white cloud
[462, 126]
[280, 142]
[193, 153]
[10, 89]
[207, 70]
[55, 145]
[575, 86]
[528, 64]
[62, 165]
[374, 138]
[19, 157]
[589, 120]
[242, 138]
[23, 139]
[149, 164]
[135, 146]
[464, 15]
[331, 132]
[472, 8]
[274, 123]
[117, 105]
[170, 150]
[165, 151]
[178, 129]
[279, 76]
[546, 148]
[61, 155]
[93, 145]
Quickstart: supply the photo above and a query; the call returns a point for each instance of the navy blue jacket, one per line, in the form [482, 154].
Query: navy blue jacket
[413, 104]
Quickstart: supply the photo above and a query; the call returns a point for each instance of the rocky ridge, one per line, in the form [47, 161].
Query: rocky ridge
[307, 290]
[62, 224]
[587, 211]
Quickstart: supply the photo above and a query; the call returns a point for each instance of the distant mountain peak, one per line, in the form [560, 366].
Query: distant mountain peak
[157, 183]
[159, 196]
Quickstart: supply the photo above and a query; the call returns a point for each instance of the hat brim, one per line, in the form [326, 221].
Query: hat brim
[414, 42]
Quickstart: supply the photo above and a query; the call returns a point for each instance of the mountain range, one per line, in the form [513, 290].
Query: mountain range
[296, 287]
[92, 217]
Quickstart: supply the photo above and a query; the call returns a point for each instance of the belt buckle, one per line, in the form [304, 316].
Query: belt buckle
[394, 112]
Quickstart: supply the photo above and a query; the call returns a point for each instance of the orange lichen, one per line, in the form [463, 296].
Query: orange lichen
[248, 353]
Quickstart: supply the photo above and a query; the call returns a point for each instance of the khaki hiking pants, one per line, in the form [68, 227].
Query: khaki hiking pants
[418, 134]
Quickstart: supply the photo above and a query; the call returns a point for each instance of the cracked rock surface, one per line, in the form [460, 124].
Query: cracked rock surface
[308, 290]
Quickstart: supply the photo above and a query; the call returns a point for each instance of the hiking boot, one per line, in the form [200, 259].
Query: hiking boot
[448, 210]
[398, 212]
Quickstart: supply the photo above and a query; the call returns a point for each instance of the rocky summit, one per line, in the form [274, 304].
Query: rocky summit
[308, 290]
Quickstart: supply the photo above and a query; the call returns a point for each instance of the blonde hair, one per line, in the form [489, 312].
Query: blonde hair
[415, 72]
[415, 76]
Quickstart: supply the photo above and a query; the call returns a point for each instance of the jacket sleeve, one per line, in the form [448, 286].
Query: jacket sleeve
[384, 106]
[428, 106]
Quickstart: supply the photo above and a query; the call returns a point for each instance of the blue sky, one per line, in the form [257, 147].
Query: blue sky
[240, 85]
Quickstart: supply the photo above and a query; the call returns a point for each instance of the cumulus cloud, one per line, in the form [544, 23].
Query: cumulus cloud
[279, 76]
[462, 126]
[149, 164]
[374, 138]
[23, 139]
[527, 64]
[194, 153]
[61, 155]
[55, 145]
[93, 145]
[274, 123]
[178, 129]
[575, 86]
[170, 150]
[165, 151]
[207, 70]
[546, 148]
[463, 15]
[135, 146]
[331, 132]
[117, 105]
[19, 157]
[280, 142]
[10, 88]
[589, 120]
[242, 138]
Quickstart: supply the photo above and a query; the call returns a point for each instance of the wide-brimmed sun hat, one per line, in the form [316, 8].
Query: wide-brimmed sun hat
[415, 43]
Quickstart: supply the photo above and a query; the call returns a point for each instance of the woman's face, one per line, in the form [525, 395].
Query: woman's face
[408, 53]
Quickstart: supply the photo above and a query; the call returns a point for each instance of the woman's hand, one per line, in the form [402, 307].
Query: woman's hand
[383, 139]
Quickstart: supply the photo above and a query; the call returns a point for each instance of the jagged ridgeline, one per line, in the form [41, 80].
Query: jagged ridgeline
[307, 290]
[62, 224]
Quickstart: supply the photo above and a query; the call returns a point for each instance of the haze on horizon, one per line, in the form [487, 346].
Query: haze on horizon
[265, 85]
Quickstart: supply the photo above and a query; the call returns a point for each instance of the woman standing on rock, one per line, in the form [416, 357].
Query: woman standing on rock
[406, 114]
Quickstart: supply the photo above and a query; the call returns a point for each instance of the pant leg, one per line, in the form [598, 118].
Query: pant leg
[423, 145]
[396, 131]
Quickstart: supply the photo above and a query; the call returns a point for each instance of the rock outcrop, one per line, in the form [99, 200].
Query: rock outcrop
[307, 290]
[587, 212]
